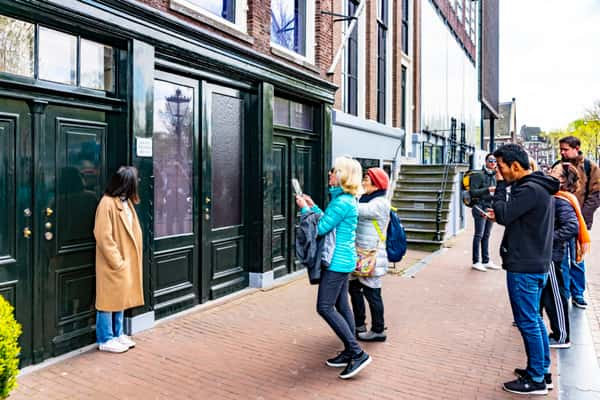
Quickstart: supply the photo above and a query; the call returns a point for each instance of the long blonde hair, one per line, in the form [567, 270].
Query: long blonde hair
[349, 174]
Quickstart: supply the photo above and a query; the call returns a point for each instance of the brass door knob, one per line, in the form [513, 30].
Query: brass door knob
[49, 212]
[27, 232]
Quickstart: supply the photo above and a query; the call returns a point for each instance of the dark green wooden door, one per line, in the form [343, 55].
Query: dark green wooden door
[52, 173]
[16, 215]
[293, 157]
[175, 147]
[225, 190]
[69, 182]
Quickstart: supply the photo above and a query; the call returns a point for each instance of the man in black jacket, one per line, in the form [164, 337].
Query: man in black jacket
[483, 184]
[526, 251]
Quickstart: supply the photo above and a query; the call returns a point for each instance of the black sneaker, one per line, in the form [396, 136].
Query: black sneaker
[339, 361]
[580, 303]
[356, 365]
[519, 372]
[524, 385]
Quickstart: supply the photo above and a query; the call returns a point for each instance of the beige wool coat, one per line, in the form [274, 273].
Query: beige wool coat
[119, 283]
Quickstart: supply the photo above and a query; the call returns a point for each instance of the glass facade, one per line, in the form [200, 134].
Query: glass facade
[448, 81]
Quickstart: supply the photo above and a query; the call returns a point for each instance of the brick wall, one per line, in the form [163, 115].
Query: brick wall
[259, 28]
[456, 25]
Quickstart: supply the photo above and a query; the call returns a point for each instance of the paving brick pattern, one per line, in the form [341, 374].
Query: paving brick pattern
[449, 337]
[593, 287]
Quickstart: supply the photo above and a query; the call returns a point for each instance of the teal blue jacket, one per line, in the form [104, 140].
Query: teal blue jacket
[342, 215]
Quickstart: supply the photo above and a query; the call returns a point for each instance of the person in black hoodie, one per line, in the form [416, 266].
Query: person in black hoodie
[526, 251]
[483, 184]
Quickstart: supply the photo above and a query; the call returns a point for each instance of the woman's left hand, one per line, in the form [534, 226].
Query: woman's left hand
[300, 202]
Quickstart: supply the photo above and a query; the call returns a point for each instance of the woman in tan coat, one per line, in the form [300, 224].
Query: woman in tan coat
[118, 260]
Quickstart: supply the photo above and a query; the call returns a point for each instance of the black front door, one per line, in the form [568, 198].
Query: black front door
[52, 173]
[226, 195]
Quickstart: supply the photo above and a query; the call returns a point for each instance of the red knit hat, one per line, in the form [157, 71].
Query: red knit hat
[379, 178]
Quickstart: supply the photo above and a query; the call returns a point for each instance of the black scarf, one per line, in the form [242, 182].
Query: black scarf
[365, 198]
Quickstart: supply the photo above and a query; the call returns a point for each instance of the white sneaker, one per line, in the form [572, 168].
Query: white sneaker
[479, 267]
[113, 346]
[491, 265]
[126, 341]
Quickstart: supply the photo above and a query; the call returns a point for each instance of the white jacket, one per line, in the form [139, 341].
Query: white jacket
[367, 237]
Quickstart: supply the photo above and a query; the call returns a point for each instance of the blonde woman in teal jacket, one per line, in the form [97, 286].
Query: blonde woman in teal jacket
[332, 300]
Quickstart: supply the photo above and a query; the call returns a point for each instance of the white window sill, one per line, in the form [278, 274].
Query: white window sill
[214, 21]
[289, 55]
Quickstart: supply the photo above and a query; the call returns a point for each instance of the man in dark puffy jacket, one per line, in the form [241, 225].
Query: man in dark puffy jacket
[482, 188]
[526, 251]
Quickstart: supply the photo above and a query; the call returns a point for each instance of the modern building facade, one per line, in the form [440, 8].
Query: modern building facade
[218, 104]
[372, 109]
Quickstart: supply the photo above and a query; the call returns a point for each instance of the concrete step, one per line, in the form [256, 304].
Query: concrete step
[417, 184]
[407, 194]
[421, 223]
[419, 204]
[422, 234]
[424, 245]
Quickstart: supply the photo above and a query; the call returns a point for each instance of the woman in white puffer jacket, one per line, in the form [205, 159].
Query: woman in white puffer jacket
[373, 206]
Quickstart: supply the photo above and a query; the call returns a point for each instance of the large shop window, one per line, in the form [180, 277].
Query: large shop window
[292, 114]
[288, 24]
[60, 57]
[173, 162]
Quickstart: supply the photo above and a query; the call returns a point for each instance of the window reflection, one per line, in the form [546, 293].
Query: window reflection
[16, 46]
[57, 56]
[221, 8]
[173, 163]
[288, 24]
[97, 63]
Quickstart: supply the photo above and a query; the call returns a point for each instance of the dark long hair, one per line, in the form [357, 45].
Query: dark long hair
[569, 172]
[124, 184]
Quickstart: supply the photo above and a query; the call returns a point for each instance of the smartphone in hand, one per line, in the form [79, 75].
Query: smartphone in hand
[296, 186]
[481, 211]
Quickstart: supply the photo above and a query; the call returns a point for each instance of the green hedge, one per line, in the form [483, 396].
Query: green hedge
[10, 331]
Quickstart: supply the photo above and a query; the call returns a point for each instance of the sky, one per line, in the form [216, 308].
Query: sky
[550, 59]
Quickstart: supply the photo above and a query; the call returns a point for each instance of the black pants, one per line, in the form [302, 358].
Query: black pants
[334, 308]
[556, 304]
[483, 227]
[357, 291]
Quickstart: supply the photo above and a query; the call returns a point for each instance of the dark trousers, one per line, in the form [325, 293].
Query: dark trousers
[483, 227]
[556, 304]
[333, 306]
[357, 292]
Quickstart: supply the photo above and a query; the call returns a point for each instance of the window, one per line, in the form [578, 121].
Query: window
[367, 163]
[60, 57]
[382, 29]
[405, 31]
[293, 114]
[403, 98]
[352, 64]
[459, 10]
[221, 8]
[16, 46]
[288, 24]
[173, 161]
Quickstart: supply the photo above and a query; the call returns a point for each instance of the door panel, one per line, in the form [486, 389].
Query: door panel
[72, 182]
[224, 159]
[175, 138]
[293, 157]
[16, 216]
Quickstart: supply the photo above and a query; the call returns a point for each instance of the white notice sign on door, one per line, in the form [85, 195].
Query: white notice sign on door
[143, 147]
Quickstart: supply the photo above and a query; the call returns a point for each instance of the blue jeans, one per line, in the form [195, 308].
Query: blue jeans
[573, 272]
[524, 292]
[334, 307]
[109, 325]
[483, 228]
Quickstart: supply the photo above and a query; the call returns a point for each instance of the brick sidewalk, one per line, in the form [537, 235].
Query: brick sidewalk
[449, 337]
[593, 286]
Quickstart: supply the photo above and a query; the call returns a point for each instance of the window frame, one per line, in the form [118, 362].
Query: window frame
[351, 60]
[403, 95]
[240, 10]
[309, 37]
[382, 68]
[405, 27]
[35, 78]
